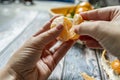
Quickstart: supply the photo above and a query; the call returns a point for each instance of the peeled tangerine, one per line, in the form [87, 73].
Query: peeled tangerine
[68, 32]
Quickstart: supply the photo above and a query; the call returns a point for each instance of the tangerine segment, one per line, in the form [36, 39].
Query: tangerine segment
[76, 20]
[67, 24]
[116, 66]
[73, 35]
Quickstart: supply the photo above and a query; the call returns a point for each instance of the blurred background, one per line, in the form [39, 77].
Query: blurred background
[19, 19]
[104, 2]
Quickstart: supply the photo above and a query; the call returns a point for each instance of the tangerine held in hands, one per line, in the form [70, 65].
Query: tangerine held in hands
[68, 31]
[67, 24]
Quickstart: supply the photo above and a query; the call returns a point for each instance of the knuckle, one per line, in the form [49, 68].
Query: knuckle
[30, 40]
[79, 28]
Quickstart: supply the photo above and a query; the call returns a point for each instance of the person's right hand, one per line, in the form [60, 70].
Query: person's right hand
[104, 27]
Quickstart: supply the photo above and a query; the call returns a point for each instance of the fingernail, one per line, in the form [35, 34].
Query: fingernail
[59, 27]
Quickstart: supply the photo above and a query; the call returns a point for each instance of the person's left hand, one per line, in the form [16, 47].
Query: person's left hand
[34, 60]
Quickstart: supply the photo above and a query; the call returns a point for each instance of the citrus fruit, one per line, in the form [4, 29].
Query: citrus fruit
[67, 24]
[77, 19]
[68, 30]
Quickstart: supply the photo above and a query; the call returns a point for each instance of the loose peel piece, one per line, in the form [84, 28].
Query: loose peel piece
[87, 77]
[103, 57]
[116, 66]
[110, 67]
[68, 31]
[77, 19]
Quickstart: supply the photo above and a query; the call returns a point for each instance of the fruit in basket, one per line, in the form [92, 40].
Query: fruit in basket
[84, 6]
[68, 31]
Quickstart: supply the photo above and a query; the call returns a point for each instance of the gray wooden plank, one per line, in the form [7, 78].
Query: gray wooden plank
[103, 74]
[10, 30]
[80, 60]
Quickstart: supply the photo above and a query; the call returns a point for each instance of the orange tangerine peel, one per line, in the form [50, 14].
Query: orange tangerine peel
[115, 65]
[77, 19]
[103, 56]
[86, 76]
[81, 9]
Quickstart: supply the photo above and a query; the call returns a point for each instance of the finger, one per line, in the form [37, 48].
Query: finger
[55, 47]
[85, 37]
[93, 44]
[49, 61]
[45, 27]
[48, 46]
[58, 55]
[43, 69]
[48, 36]
[45, 53]
[99, 14]
[97, 29]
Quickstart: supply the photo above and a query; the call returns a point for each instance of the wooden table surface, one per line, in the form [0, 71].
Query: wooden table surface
[19, 22]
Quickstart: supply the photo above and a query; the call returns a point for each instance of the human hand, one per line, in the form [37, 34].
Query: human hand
[34, 60]
[104, 27]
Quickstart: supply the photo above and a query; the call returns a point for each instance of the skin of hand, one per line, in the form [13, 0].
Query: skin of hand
[102, 29]
[34, 60]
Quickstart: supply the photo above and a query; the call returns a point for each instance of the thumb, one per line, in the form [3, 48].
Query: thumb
[96, 29]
